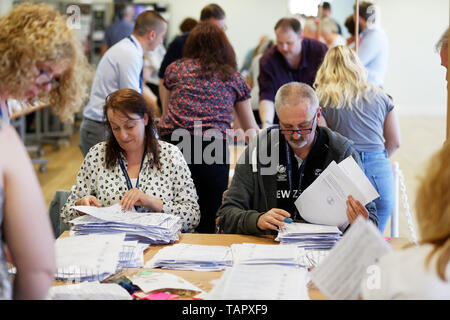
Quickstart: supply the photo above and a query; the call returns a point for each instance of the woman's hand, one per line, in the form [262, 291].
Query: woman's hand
[136, 197]
[87, 201]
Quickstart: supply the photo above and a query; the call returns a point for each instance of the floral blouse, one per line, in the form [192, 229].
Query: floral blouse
[172, 183]
[193, 97]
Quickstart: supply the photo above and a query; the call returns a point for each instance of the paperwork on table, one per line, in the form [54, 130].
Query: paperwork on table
[150, 228]
[309, 236]
[340, 274]
[192, 257]
[95, 257]
[261, 282]
[89, 291]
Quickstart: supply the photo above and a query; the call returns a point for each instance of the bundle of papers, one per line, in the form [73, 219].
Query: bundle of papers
[261, 282]
[309, 236]
[324, 201]
[89, 291]
[149, 281]
[251, 253]
[150, 228]
[192, 257]
[351, 261]
[95, 257]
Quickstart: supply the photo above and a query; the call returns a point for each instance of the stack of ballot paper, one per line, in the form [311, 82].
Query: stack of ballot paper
[149, 281]
[261, 282]
[88, 258]
[252, 253]
[192, 257]
[351, 264]
[150, 228]
[324, 201]
[309, 236]
[89, 291]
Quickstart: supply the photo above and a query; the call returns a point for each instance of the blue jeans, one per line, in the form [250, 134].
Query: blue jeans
[377, 168]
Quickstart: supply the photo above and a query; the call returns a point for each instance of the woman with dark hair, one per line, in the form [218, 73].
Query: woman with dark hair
[134, 168]
[205, 88]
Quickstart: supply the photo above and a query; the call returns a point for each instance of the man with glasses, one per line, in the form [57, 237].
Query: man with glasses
[281, 163]
[293, 58]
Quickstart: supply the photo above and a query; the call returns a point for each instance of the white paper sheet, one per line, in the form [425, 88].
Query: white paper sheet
[89, 291]
[340, 274]
[261, 282]
[324, 201]
[160, 280]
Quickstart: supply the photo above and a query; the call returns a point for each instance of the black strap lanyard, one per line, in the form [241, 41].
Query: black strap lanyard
[142, 70]
[289, 169]
[127, 177]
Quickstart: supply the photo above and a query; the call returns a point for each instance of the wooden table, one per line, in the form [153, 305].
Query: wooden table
[202, 279]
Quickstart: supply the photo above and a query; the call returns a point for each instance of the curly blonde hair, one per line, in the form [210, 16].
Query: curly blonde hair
[341, 81]
[433, 208]
[36, 33]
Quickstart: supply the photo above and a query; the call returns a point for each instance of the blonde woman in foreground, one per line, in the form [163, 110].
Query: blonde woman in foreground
[364, 114]
[422, 272]
[40, 57]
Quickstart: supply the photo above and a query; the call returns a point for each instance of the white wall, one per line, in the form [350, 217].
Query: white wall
[415, 76]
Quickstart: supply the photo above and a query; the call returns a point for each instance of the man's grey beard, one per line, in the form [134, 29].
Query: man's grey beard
[299, 144]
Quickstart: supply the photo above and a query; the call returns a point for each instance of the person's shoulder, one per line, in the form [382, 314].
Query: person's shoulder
[313, 45]
[96, 151]
[269, 55]
[168, 150]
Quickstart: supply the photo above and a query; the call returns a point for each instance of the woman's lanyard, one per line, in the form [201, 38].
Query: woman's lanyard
[127, 177]
[5, 116]
[142, 70]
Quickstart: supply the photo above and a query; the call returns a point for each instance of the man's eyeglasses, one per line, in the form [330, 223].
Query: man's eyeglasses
[290, 132]
[43, 79]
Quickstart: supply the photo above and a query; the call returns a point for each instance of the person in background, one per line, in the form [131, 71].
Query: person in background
[187, 25]
[442, 48]
[328, 31]
[253, 73]
[210, 13]
[364, 114]
[149, 95]
[281, 163]
[40, 58]
[205, 88]
[292, 59]
[310, 28]
[374, 46]
[325, 12]
[133, 168]
[120, 67]
[423, 271]
[121, 28]
[350, 26]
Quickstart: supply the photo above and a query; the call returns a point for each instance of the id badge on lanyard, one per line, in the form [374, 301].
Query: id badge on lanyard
[127, 178]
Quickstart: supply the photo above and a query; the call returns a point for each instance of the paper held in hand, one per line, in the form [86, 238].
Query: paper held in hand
[324, 201]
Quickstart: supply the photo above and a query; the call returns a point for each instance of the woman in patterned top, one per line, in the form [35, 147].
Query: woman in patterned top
[134, 168]
[205, 88]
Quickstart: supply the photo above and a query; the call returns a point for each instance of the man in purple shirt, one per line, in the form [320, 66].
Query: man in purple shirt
[292, 59]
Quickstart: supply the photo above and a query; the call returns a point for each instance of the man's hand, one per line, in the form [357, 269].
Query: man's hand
[355, 209]
[272, 219]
